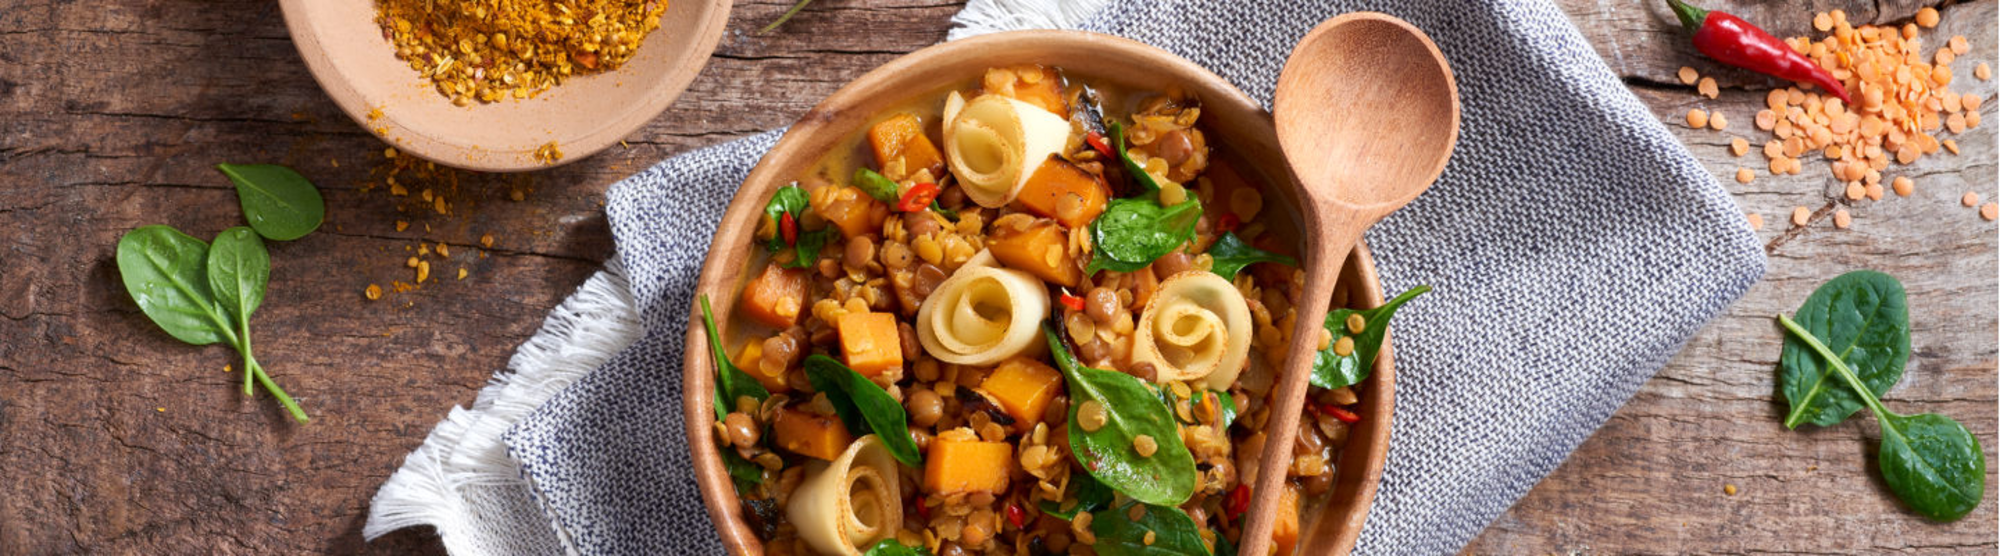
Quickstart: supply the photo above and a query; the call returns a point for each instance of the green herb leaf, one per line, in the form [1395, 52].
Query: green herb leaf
[1231, 254]
[1863, 317]
[893, 547]
[791, 199]
[796, 8]
[1223, 547]
[864, 406]
[1131, 233]
[1091, 496]
[238, 270]
[877, 186]
[163, 270]
[1132, 167]
[1332, 370]
[1929, 461]
[1165, 478]
[731, 383]
[948, 214]
[278, 202]
[1174, 533]
[745, 474]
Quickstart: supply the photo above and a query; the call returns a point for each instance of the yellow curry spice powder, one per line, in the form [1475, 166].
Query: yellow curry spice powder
[488, 50]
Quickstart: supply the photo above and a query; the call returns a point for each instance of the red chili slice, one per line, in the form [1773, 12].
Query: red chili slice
[1016, 515]
[1074, 303]
[1229, 222]
[1343, 415]
[918, 197]
[1238, 501]
[789, 227]
[1096, 141]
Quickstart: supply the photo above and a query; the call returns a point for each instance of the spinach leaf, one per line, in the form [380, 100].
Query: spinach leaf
[1091, 496]
[163, 271]
[1929, 461]
[1173, 532]
[1862, 316]
[792, 200]
[278, 202]
[893, 547]
[1132, 167]
[238, 270]
[877, 186]
[1231, 254]
[1333, 370]
[1223, 547]
[860, 402]
[1131, 233]
[745, 474]
[731, 383]
[1167, 477]
[1227, 405]
[948, 214]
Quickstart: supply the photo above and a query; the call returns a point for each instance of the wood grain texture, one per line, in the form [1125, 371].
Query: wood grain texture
[112, 112]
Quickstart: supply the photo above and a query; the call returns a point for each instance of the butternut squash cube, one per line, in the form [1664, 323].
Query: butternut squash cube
[870, 342]
[750, 361]
[810, 434]
[963, 463]
[775, 296]
[1040, 248]
[902, 137]
[1285, 533]
[1045, 90]
[851, 210]
[1061, 190]
[1023, 387]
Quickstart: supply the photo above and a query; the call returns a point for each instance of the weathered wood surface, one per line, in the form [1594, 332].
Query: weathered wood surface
[112, 112]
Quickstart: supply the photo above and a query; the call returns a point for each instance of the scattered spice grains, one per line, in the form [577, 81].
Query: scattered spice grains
[373, 292]
[548, 153]
[1729, 489]
[487, 50]
[431, 199]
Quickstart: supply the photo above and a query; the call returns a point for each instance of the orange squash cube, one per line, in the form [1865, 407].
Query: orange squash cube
[902, 137]
[809, 434]
[963, 463]
[870, 342]
[751, 359]
[1040, 248]
[1023, 387]
[1057, 183]
[851, 210]
[775, 296]
[1285, 533]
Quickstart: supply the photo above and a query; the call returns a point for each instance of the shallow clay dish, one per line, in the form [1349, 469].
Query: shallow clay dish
[356, 66]
[1241, 125]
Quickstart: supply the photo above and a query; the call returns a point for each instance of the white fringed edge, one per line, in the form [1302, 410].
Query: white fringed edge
[990, 16]
[465, 449]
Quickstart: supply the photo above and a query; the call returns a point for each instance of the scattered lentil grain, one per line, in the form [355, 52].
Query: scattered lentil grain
[373, 292]
[1688, 75]
[1697, 118]
[1841, 219]
[1717, 121]
[1903, 186]
[1707, 88]
[1927, 17]
[1739, 146]
[1744, 175]
[1855, 191]
[1756, 220]
[1970, 199]
[1989, 211]
[1729, 489]
[1800, 216]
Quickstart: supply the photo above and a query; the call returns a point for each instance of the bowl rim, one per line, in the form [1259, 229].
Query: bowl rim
[651, 100]
[833, 117]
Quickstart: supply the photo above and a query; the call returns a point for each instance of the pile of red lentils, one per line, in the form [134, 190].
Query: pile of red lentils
[1901, 99]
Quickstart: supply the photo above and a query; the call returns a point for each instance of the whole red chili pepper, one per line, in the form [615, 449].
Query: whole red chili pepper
[1731, 40]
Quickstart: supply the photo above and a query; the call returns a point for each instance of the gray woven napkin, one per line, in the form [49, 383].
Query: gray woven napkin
[1574, 246]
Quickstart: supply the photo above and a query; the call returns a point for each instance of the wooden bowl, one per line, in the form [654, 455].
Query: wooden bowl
[1237, 122]
[357, 66]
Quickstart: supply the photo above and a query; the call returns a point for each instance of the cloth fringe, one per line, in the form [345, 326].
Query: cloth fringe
[991, 16]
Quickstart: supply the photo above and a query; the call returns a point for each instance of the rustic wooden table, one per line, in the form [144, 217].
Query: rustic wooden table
[115, 438]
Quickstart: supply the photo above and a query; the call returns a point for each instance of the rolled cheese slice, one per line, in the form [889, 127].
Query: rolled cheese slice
[1196, 328]
[844, 506]
[994, 143]
[982, 315]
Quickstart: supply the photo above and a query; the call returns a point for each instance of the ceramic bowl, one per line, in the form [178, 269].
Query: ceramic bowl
[1232, 118]
[357, 66]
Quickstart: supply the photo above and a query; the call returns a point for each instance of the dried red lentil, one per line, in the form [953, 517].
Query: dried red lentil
[487, 50]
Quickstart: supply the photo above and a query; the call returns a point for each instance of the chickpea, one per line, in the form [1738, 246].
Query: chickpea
[925, 407]
[952, 549]
[742, 430]
[929, 276]
[1171, 264]
[920, 223]
[1143, 370]
[1175, 147]
[1317, 484]
[1102, 305]
[1309, 442]
[860, 252]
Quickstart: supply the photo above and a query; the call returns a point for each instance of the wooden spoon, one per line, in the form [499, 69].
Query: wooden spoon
[1367, 113]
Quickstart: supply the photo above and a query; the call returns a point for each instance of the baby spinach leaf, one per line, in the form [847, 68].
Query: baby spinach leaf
[1232, 254]
[1166, 477]
[745, 474]
[860, 402]
[1223, 547]
[792, 200]
[877, 186]
[1863, 317]
[1174, 533]
[163, 271]
[1091, 496]
[1933, 464]
[1929, 461]
[238, 270]
[893, 547]
[278, 202]
[730, 382]
[1131, 233]
[1132, 167]
[1226, 404]
[1333, 370]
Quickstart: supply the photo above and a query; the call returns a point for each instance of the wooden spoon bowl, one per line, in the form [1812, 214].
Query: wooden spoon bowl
[1231, 118]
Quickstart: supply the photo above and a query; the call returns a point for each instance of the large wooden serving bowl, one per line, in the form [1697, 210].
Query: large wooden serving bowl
[1234, 121]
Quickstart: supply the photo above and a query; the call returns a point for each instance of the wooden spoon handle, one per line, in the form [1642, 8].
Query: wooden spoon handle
[1331, 247]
